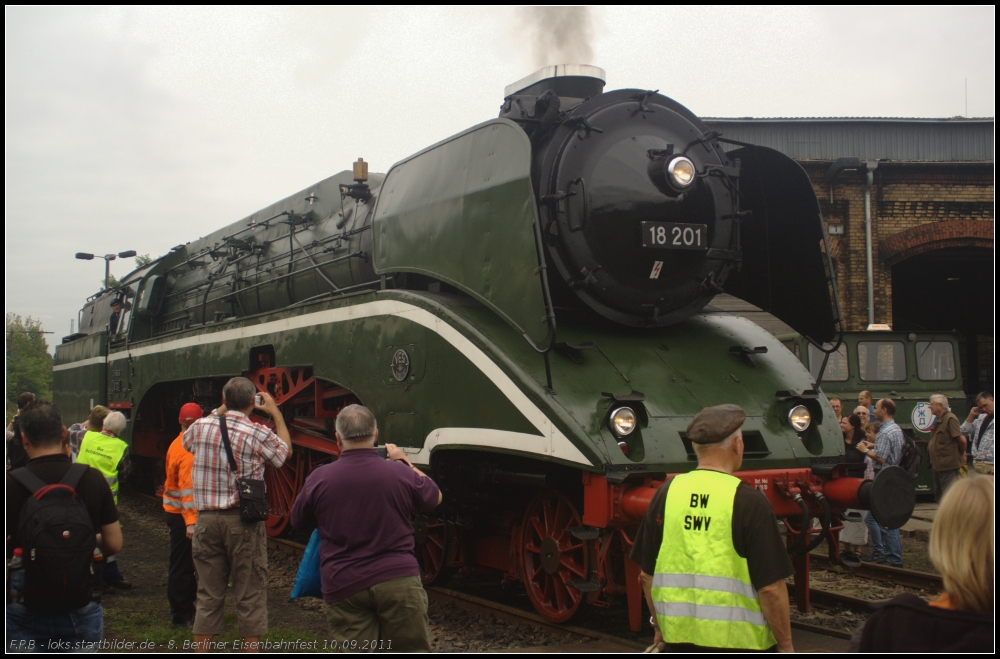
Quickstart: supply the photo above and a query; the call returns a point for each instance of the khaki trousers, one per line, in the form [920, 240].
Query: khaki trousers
[983, 468]
[224, 547]
[389, 616]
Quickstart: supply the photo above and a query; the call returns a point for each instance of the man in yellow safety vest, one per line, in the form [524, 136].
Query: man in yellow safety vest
[109, 455]
[181, 516]
[713, 562]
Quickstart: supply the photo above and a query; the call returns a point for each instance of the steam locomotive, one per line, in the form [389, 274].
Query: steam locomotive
[526, 308]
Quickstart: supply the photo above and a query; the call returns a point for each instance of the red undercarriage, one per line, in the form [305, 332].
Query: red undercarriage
[562, 558]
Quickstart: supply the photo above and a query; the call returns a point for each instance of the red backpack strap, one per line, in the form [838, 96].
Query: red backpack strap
[42, 491]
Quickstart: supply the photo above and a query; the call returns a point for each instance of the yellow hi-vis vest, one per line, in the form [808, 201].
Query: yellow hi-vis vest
[103, 453]
[701, 589]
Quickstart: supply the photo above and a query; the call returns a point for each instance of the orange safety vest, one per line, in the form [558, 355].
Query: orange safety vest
[178, 491]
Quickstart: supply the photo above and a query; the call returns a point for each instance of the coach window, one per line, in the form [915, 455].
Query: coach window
[882, 361]
[836, 365]
[935, 360]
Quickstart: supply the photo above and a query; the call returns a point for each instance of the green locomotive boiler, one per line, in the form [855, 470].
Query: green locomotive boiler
[525, 306]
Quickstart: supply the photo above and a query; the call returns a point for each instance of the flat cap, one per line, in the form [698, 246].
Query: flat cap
[714, 424]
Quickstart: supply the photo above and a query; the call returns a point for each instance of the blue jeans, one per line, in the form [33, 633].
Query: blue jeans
[74, 631]
[885, 543]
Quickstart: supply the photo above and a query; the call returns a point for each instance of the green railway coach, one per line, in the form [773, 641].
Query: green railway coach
[908, 367]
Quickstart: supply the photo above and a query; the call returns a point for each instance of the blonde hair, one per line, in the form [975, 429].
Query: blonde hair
[961, 546]
[872, 427]
[96, 419]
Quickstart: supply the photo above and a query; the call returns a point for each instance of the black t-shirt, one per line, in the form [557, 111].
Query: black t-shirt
[907, 623]
[93, 490]
[755, 536]
[855, 458]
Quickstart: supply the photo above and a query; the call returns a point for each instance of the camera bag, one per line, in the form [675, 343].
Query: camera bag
[252, 493]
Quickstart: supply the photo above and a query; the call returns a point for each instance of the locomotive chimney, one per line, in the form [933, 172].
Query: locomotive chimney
[565, 80]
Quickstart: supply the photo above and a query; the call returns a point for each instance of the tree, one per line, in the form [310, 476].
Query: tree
[29, 364]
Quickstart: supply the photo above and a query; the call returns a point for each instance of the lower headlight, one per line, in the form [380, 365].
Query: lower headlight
[799, 418]
[623, 421]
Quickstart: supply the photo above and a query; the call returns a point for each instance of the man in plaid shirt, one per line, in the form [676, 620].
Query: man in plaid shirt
[887, 546]
[223, 545]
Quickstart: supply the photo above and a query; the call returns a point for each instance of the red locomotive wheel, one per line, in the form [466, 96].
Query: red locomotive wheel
[433, 539]
[550, 556]
[282, 487]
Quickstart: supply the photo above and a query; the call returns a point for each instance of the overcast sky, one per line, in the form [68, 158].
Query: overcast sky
[145, 128]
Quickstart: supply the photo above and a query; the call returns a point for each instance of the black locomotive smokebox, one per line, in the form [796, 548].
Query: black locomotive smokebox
[891, 497]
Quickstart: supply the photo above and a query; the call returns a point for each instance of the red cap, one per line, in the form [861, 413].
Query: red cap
[190, 412]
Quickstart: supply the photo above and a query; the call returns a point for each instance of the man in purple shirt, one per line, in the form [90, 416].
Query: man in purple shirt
[362, 506]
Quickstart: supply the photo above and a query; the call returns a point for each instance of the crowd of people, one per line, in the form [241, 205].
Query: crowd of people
[712, 561]
[218, 543]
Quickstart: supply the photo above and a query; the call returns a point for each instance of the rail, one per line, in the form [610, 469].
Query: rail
[897, 575]
[476, 604]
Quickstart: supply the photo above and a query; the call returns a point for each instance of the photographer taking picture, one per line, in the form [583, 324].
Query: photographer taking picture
[362, 505]
[224, 545]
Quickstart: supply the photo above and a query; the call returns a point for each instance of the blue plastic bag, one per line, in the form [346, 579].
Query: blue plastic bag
[307, 578]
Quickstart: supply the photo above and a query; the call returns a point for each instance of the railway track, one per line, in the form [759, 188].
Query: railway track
[897, 575]
[479, 605]
[900, 576]
[818, 596]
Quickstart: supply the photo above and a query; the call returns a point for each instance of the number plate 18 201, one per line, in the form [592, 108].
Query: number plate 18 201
[672, 235]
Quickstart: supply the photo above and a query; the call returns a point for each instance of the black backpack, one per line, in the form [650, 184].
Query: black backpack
[57, 536]
[910, 457]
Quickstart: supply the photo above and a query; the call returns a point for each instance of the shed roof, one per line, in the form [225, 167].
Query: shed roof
[868, 138]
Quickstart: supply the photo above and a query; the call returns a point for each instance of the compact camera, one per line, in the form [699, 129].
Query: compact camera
[258, 400]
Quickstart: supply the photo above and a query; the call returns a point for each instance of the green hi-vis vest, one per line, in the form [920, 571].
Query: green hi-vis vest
[702, 590]
[103, 453]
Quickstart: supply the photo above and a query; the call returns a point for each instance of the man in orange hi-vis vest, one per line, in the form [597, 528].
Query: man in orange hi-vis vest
[178, 503]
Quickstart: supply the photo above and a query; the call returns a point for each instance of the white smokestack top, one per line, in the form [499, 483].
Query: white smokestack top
[557, 71]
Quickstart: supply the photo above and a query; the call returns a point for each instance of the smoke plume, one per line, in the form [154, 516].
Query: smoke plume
[558, 35]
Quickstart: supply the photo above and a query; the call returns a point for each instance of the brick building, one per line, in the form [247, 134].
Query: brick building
[930, 192]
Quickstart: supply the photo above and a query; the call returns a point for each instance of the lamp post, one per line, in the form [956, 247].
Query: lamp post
[108, 258]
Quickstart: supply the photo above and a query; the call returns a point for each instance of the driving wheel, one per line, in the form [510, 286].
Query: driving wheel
[550, 556]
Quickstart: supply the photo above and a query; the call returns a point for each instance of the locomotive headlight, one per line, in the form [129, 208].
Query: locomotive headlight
[681, 172]
[623, 421]
[799, 418]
